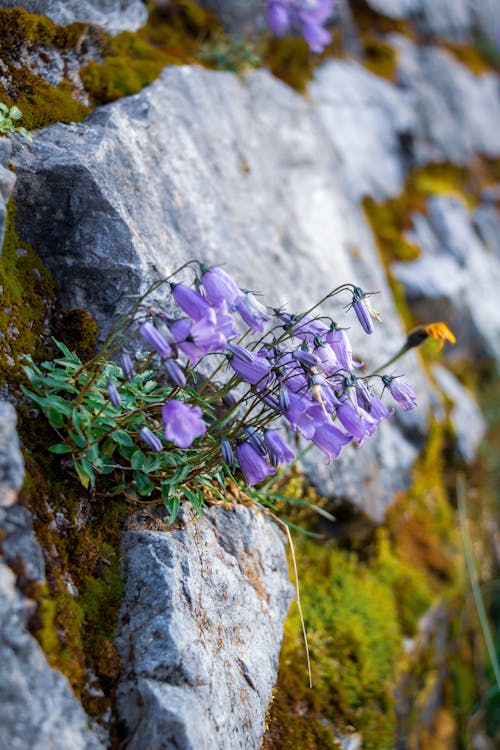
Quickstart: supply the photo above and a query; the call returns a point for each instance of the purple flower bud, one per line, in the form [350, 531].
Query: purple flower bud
[175, 373]
[316, 37]
[127, 367]
[256, 440]
[113, 394]
[306, 358]
[277, 18]
[150, 439]
[284, 398]
[279, 451]
[358, 423]
[270, 401]
[240, 352]
[219, 286]
[183, 423]
[363, 315]
[339, 341]
[377, 409]
[230, 399]
[190, 301]
[152, 337]
[254, 468]
[227, 452]
[401, 391]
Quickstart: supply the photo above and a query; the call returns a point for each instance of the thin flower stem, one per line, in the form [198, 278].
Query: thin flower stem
[473, 577]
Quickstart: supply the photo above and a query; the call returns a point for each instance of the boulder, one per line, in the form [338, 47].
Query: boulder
[11, 460]
[250, 174]
[113, 15]
[7, 182]
[456, 277]
[200, 630]
[466, 418]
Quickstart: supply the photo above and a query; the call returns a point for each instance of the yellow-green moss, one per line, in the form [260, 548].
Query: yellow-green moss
[27, 295]
[472, 57]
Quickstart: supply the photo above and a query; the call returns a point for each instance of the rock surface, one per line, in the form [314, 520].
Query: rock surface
[113, 15]
[466, 417]
[7, 182]
[246, 174]
[456, 277]
[37, 707]
[200, 660]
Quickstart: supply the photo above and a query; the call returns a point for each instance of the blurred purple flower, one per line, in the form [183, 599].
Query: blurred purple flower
[154, 338]
[127, 366]
[330, 440]
[175, 373]
[113, 394]
[183, 423]
[308, 16]
[150, 439]
[219, 286]
[252, 312]
[190, 301]
[227, 452]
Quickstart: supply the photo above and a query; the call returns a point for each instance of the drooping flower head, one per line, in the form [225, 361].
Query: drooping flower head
[151, 440]
[183, 423]
[219, 286]
[307, 16]
[253, 466]
[279, 452]
[401, 391]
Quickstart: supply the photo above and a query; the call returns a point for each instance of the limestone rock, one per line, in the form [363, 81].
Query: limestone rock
[200, 660]
[113, 15]
[466, 417]
[456, 278]
[240, 17]
[37, 708]
[11, 461]
[7, 182]
[455, 112]
[245, 174]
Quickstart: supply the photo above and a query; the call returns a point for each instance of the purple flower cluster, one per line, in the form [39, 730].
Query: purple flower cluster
[306, 16]
[301, 373]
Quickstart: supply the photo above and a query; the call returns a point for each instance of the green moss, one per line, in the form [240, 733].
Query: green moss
[473, 57]
[27, 295]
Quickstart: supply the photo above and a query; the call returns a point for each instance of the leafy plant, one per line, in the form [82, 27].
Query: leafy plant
[7, 119]
[157, 425]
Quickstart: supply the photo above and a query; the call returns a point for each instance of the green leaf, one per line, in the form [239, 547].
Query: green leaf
[60, 448]
[122, 438]
[64, 349]
[172, 504]
[143, 483]
[195, 498]
[138, 459]
[26, 134]
[78, 440]
[15, 113]
[89, 470]
[55, 417]
[83, 476]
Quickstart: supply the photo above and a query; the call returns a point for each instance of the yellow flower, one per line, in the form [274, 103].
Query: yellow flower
[440, 333]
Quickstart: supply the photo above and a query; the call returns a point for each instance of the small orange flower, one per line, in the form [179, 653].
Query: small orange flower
[440, 333]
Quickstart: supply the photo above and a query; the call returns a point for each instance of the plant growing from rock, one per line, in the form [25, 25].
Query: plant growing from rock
[7, 119]
[214, 384]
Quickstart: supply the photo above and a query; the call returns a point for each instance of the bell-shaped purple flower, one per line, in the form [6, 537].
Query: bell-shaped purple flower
[401, 391]
[219, 286]
[183, 423]
[155, 340]
[357, 422]
[253, 466]
[255, 438]
[279, 451]
[257, 372]
[330, 440]
[113, 394]
[364, 317]
[316, 36]
[151, 440]
[339, 341]
[326, 356]
[190, 301]
[306, 358]
[252, 312]
[240, 352]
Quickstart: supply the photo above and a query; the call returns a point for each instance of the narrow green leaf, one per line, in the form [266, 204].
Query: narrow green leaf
[60, 448]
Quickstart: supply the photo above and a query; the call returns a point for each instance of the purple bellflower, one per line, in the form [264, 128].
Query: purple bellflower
[257, 372]
[357, 422]
[183, 423]
[151, 440]
[339, 341]
[308, 16]
[227, 452]
[175, 373]
[279, 451]
[252, 312]
[190, 301]
[255, 438]
[127, 366]
[155, 340]
[401, 391]
[330, 440]
[253, 466]
[219, 286]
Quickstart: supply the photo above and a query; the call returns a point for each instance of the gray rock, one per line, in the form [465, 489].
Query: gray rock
[201, 658]
[19, 547]
[11, 460]
[247, 174]
[454, 111]
[240, 17]
[7, 182]
[466, 417]
[37, 708]
[113, 15]
[456, 277]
